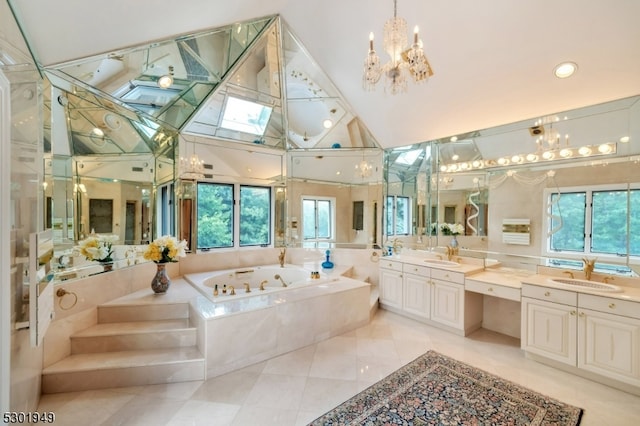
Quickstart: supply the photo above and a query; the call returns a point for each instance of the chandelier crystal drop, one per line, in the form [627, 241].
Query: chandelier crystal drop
[406, 61]
[192, 167]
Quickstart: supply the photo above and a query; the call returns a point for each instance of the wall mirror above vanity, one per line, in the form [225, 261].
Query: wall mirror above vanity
[528, 171]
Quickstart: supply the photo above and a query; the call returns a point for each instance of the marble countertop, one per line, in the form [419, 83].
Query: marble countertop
[514, 278]
[501, 276]
[466, 267]
[628, 292]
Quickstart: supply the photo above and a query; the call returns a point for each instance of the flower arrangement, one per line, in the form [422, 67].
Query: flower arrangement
[165, 249]
[98, 248]
[451, 228]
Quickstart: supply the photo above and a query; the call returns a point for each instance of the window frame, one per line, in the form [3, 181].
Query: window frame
[318, 242]
[588, 234]
[393, 225]
[236, 217]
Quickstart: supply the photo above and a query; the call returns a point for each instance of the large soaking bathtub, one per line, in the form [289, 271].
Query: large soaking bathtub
[247, 328]
[259, 280]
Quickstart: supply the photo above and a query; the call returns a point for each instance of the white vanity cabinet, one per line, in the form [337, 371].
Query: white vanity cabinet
[447, 298]
[391, 283]
[549, 323]
[432, 295]
[598, 335]
[417, 290]
[609, 337]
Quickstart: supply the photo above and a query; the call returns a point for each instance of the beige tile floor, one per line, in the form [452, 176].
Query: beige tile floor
[297, 387]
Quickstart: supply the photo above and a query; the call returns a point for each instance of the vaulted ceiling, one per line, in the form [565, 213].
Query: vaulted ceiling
[493, 61]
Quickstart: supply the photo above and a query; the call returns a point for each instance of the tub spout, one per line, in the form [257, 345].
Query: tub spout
[247, 288]
[281, 257]
[262, 283]
[278, 277]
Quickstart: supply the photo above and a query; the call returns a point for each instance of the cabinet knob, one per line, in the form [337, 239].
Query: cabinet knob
[612, 305]
[547, 293]
[572, 313]
[581, 314]
[490, 289]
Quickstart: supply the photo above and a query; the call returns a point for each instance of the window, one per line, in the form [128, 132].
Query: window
[215, 215]
[318, 217]
[165, 210]
[245, 116]
[218, 214]
[602, 221]
[398, 215]
[255, 215]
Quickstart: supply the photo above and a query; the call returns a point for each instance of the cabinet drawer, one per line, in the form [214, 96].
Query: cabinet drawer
[609, 305]
[391, 264]
[493, 290]
[550, 294]
[423, 271]
[443, 274]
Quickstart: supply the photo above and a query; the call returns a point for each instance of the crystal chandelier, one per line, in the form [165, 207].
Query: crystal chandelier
[404, 59]
[192, 167]
[364, 168]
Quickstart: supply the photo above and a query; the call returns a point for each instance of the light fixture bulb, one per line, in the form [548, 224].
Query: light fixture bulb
[166, 80]
[327, 124]
[584, 151]
[604, 148]
[565, 69]
[566, 153]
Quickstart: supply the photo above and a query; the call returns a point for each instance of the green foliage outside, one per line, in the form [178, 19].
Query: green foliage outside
[609, 230]
[215, 215]
[255, 217]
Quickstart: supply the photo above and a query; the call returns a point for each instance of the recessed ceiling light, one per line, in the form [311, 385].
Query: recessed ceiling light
[327, 124]
[565, 69]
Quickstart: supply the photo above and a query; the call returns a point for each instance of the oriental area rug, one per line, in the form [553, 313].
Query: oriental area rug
[437, 390]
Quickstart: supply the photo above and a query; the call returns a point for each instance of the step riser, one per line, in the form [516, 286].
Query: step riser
[121, 377]
[125, 342]
[115, 313]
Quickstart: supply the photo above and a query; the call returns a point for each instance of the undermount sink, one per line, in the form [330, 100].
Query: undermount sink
[588, 285]
[438, 262]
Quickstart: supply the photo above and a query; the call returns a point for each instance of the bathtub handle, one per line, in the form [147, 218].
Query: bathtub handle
[262, 283]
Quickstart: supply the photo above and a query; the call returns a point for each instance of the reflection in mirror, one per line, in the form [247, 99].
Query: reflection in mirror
[408, 195]
[324, 190]
[591, 148]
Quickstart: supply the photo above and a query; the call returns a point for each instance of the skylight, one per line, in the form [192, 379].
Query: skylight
[408, 157]
[245, 116]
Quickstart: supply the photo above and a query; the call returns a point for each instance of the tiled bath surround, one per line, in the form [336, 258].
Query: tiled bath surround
[233, 341]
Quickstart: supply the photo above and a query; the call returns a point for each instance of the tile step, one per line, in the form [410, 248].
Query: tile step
[110, 313]
[127, 368]
[126, 336]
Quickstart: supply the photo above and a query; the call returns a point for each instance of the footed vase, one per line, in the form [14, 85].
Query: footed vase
[161, 282]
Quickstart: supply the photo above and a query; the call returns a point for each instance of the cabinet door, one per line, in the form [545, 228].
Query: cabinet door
[416, 295]
[391, 288]
[447, 303]
[549, 329]
[609, 345]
